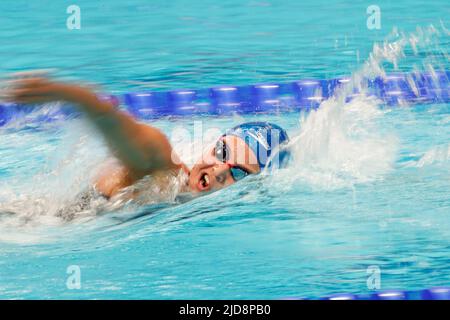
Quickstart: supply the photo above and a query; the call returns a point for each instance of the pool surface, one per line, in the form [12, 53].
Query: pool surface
[368, 186]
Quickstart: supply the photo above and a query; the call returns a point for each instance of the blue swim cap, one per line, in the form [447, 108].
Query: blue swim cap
[265, 140]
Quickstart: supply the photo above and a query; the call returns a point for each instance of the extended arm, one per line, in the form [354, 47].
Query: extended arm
[141, 148]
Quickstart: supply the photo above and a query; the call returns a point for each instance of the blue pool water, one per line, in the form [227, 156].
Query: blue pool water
[368, 185]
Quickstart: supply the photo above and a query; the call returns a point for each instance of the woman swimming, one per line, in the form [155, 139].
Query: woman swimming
[142, 150]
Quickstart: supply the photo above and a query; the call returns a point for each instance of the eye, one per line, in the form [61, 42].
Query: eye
[221, 151]
[238, 173]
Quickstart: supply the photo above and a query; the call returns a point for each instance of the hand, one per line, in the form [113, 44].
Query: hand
[31, 88]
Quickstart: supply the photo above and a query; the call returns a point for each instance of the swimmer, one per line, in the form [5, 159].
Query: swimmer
[142, 150]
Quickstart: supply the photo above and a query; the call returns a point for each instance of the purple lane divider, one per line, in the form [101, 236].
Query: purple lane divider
[393, 89]
[435, 293]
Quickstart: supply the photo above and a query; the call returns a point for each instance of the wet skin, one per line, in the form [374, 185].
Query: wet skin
[141, 150]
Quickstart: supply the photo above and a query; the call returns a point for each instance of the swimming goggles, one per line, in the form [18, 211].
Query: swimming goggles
[222, 153]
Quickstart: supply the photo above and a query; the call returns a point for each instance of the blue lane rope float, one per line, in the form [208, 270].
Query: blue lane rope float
[305, 94]
[299, 95]
[436, 293]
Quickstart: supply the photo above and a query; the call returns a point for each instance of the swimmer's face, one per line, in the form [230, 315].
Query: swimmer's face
[222, 165]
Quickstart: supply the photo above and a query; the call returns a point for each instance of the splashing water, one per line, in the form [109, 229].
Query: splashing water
[341, 143]
[338, 145]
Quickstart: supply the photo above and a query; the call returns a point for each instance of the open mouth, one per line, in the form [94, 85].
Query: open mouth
[204, 181]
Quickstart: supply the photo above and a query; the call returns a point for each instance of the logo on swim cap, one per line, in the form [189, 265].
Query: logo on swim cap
[266, 140]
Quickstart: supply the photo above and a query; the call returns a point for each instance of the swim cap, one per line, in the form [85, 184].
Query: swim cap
[265, 140]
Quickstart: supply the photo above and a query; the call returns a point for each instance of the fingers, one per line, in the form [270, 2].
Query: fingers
[28, 87]
[28, 94]
[39, 73]
[28, 83]
[32, 78]
[26, 90]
